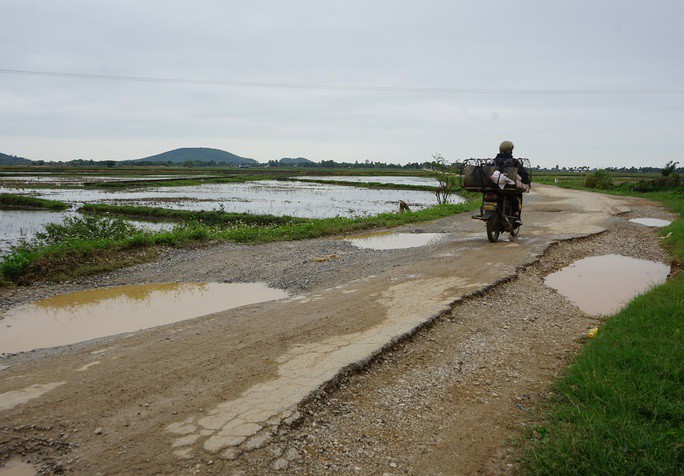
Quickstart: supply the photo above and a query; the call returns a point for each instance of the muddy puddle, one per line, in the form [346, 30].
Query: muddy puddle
[15, 467]
[81, 316]
[654, 222]
[388, 240]
[602, 285]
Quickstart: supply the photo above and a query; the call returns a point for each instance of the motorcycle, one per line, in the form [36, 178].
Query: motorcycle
[499, 195]
[498, 213]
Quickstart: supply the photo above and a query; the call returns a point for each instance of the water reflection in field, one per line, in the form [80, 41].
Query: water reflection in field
[300, 199]
[18, 225]
[81, 179]
[308, 200]
[399, 180]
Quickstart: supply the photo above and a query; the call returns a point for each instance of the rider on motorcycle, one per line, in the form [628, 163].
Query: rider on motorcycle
[505, 159]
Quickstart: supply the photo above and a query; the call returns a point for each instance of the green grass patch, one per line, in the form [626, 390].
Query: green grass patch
[24, 202]
[93, 243]
[340, 225]
[214, 217]
[619, 408]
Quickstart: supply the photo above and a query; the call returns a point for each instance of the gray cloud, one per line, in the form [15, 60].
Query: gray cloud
[534, 45]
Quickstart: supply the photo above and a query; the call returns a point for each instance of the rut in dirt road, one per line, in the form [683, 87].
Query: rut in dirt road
[218, 388]
[455, 397]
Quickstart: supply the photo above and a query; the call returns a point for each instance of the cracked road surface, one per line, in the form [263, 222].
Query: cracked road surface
[215, 387]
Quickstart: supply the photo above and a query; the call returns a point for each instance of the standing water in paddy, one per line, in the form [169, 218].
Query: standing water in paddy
[299, 199]
[22, 225]
[17, 225]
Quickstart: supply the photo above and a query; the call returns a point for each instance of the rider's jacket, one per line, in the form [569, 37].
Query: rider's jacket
[506, 159]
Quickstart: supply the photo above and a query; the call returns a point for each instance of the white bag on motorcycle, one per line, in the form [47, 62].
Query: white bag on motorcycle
[501, 179]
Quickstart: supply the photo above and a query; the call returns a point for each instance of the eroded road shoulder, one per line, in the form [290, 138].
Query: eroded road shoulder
[213, 390]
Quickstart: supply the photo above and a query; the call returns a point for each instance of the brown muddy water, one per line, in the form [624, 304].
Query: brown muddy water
[85, 315]
[602, 285]
[387, 240]
[15, 467]
[655, 222]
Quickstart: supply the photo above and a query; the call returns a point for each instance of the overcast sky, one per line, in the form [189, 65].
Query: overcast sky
[408, 79]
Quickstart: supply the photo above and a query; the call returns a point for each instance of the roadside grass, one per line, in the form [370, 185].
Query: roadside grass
[93, 243]
[619, 408]
[24, 202]
[675, 242]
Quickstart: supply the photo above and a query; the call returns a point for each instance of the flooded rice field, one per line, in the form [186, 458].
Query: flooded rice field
[602, 285]
[306, 200]
[47, 179]
[18, 225]
[85, 315]
[273, 197]
[394, 241]
[399, 180]
[654, 222]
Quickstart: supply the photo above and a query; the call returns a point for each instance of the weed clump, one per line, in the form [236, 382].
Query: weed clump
[600, 180]
[85, 228]
[65, 244]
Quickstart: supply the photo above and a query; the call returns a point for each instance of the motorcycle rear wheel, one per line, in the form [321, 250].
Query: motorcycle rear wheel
[493, 228]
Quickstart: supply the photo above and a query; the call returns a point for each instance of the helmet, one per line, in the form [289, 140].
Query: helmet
[506, 146]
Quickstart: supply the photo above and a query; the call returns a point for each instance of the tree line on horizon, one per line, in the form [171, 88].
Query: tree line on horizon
[6, 159]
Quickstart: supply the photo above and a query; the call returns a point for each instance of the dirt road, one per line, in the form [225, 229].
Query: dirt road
[244, 390]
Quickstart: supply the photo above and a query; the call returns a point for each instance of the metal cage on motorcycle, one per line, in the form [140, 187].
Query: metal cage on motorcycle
[476, 173]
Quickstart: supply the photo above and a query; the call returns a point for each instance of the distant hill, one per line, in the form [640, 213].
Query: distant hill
[298, 160]
[200, 154]
[13, 160]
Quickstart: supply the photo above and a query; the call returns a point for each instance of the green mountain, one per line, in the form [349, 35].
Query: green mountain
[199, 154]
[13, 160]
[298, 160]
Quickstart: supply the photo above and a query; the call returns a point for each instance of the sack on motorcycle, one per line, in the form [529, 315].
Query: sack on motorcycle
[476, 177]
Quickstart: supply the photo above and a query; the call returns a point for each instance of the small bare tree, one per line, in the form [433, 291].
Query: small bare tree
[446, 176]
[669, 168]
